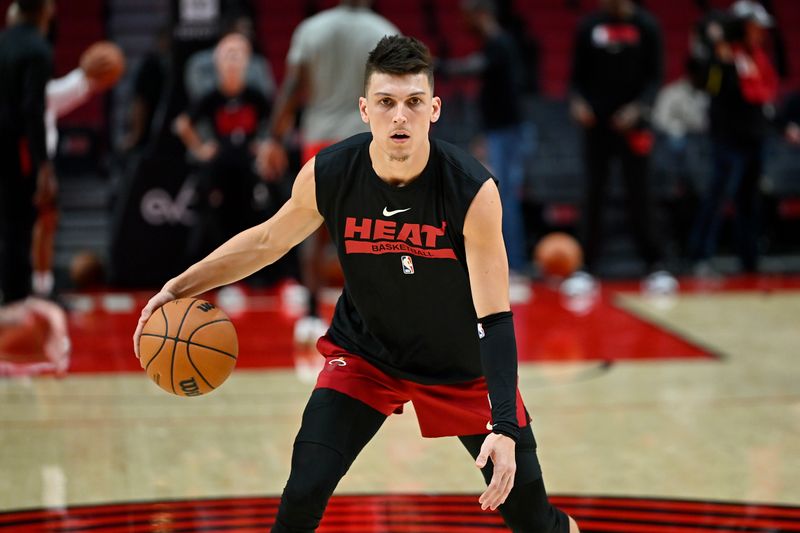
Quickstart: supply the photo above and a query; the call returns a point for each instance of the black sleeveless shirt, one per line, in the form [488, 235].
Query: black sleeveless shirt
[406, 305]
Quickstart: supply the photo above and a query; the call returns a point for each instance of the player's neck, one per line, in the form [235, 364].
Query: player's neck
[399, 173]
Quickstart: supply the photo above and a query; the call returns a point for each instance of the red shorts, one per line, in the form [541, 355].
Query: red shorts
[442, 410]
[312, 148]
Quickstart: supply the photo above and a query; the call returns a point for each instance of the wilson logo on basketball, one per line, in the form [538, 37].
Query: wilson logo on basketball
[190, 387]
[377, 236]
[205, 307]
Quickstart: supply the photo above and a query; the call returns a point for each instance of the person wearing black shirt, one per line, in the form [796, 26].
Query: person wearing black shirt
[424, 316]
[616, 74]
[226, 183]
[502, 73]
[27, 178]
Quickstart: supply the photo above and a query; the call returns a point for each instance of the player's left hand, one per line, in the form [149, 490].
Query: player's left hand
[154, 303]
[501, 450]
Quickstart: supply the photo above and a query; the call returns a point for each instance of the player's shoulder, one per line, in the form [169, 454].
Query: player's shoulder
[337, 161]
[458, 162]
[346, 147]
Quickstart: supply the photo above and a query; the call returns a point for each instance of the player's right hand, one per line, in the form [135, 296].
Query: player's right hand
[155, 302]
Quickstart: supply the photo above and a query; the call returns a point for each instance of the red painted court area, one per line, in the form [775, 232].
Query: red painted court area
[546, 331]
[407, 513]
[548, 328]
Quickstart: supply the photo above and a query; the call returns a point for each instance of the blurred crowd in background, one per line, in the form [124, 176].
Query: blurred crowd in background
[665, 138]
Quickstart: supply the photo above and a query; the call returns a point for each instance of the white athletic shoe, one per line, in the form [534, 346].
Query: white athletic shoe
[659, 283]
[579, 293]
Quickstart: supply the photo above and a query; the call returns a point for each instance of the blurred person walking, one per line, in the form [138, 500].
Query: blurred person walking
[27, 181]
[742, 82]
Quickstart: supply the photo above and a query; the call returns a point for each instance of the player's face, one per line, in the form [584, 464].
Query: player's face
[399, 110]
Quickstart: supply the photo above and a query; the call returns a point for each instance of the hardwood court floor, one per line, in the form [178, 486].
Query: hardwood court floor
[651, 416]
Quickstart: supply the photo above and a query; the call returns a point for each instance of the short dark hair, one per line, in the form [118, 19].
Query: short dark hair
[30, 7]
[398, 55]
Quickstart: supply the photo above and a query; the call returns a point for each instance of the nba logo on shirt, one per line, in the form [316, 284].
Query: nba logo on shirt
[408, 265]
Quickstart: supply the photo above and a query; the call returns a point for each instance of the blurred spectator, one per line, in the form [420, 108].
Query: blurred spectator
[33, 338]
[325, 73]
[789, 118]
[225, 192]
[742, 83]
[201, 74]
[63, 95]
[616, 73]
[681, 107]
[515, 25]
[148, 87]
[500, 103]
[27, 180]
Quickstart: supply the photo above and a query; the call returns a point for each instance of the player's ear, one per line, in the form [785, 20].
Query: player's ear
[436, 108]
[362, 108]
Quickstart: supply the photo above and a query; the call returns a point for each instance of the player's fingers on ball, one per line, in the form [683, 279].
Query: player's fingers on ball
[138, 333]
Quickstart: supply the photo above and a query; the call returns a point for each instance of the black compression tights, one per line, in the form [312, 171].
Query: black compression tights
[527, 509]
[334, 430]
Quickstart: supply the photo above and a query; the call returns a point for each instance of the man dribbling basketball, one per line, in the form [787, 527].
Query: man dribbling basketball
[416, 223]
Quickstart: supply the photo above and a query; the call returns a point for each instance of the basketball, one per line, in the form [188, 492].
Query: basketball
[188, 347]
[558, 255]
[103, 63]
[86, 270]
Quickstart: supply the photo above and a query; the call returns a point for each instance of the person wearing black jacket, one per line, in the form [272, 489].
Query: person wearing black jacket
[617, 70]
[742, 82]
[27, 177]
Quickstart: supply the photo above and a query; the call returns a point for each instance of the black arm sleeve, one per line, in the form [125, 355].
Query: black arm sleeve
[34, 83]
[498, 347]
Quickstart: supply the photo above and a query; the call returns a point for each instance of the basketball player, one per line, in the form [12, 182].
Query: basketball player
[417, 226]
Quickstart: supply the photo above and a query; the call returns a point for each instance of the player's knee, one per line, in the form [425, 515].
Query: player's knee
[316, 471]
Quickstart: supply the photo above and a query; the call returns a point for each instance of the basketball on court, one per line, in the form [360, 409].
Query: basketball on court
[188, 347]
[103, 63]
[558, 255]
